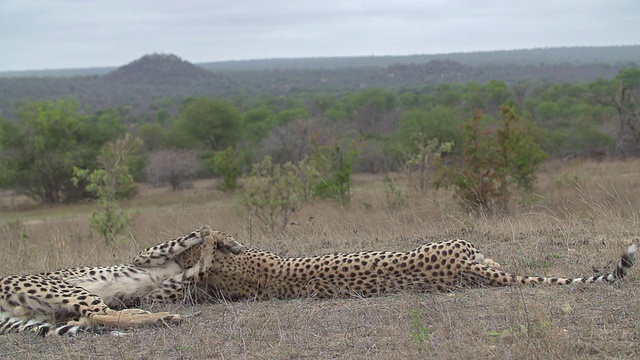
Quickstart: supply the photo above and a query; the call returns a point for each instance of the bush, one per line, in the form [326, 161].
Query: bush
[49, 139]
[493, 162]
[171, 166]
[111, 182]
[275, 191]
[229, 163]
[422, 158]
[334, 166]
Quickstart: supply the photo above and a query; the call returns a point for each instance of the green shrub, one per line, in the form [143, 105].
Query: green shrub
[229, 163]
[334, 166]
[422, 158]
[494, 162]
[111, 182]
[275, 191]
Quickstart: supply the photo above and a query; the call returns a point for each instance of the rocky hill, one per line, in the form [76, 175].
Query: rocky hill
[139, 86]
[160, 69]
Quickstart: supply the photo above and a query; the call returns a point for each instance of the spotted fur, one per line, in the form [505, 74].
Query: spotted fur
[231, 271]
[95, 298]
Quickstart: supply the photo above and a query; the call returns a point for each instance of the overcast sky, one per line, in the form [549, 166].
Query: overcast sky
[51, 34]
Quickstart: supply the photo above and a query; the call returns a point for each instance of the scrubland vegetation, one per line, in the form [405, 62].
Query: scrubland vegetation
[541, 176]
[581, 217]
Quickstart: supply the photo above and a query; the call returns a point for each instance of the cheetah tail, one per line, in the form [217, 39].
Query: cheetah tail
[625, 262]
[43, 328]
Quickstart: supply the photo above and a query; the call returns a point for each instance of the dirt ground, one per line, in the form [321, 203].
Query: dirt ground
[582, 218]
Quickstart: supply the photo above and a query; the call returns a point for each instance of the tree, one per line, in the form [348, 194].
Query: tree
[475, 96]
[103, 126]
[256, 125]
[290, 142]
[446, 95]
[216, 122]
[369, 108]
[429, 152]
[153, 135]
[334, 165]
[275, 191]
[111, 182]
[439, 122]
[49, 139]
[626, 101]
[494, 161]
[498, 94]
[171, 166]
[229, 163]
[289, 115]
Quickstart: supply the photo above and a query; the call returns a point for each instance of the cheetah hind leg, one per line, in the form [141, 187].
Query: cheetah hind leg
[128, 318]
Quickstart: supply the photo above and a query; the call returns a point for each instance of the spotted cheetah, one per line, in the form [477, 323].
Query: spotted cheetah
[96, 297]
[232, 271]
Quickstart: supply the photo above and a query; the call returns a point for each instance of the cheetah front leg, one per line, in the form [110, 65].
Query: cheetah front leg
[129, 318]
[161, 253]
[92, 311]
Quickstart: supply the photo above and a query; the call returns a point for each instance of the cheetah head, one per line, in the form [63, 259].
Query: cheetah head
[223, 242]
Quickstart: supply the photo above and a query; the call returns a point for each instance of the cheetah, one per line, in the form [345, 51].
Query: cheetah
[233, 272]
[93, 298]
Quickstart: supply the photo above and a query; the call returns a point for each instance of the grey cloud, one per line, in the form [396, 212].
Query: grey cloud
[81, 33]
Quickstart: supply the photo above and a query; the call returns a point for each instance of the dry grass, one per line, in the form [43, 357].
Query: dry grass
[582, 219]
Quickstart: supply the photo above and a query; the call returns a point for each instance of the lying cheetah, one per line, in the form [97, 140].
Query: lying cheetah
[88, 297]
[231, 271]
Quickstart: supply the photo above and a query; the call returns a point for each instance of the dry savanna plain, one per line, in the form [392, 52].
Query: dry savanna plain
[581, 218]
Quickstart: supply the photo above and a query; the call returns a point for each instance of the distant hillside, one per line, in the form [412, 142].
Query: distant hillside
[139, 86]
[403, 76]
[610, 55]
[163, 81]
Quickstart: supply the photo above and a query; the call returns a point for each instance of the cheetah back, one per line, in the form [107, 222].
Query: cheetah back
[259, 274]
